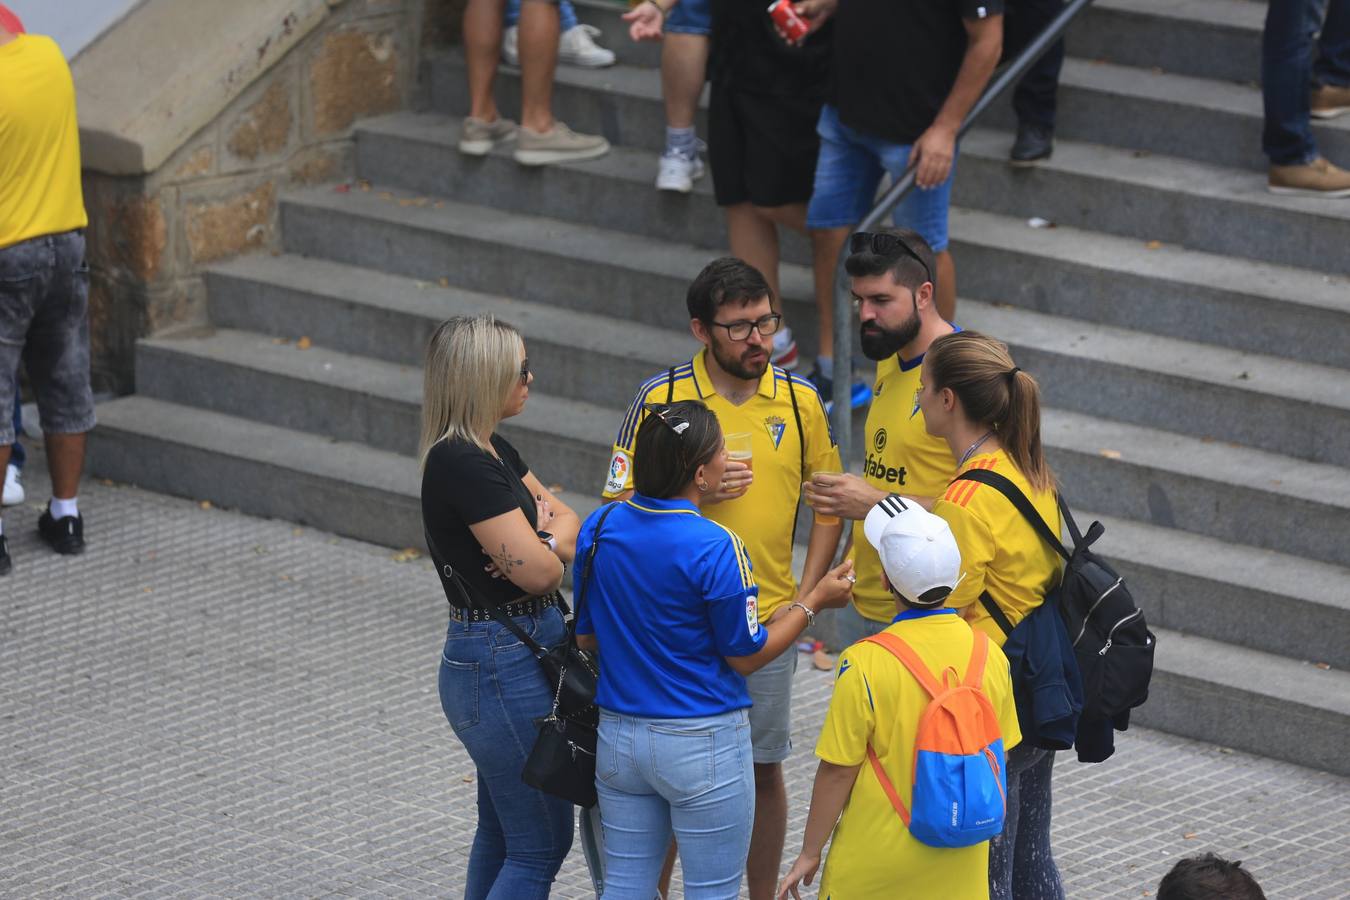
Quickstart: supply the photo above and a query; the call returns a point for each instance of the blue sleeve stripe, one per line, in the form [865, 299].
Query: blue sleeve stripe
[631, 421]
[868, 685]
[742, 558]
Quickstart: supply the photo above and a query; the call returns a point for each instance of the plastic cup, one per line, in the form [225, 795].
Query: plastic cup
[740, 449]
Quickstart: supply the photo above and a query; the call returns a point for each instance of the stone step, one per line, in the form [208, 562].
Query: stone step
[1153, 111]
[265, 470]
[1278, 405]
[1249, 700]
[1151, 198]
[1170, 290]
[1231, 493]
[1219, 39]
[1141, 109]
[1219, 693]
[1240, 595]
[582, 267]
[1156, 198]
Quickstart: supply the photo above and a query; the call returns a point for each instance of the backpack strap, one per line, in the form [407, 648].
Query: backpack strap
[903, 652]
[887, 787]
[796, 414]
[979, 653]
[1004, 486]
[995, 613]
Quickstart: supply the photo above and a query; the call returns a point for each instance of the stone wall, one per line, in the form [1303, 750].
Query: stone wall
[216, 196]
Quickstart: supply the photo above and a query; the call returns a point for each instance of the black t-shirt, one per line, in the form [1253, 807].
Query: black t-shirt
[461, 486]
[895, 61]
[746, 53]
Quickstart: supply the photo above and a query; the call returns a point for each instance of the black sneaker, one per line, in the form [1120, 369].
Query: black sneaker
[65, 535]
[1034, 143]
[5, 562]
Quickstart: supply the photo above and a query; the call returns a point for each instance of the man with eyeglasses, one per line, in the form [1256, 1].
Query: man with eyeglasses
[891, 275]
[782, 417]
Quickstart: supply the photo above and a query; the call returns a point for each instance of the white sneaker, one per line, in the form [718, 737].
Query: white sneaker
[678, 172]
[13, 494]
[577, 47]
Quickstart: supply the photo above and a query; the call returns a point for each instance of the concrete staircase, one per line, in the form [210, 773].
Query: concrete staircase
[1188, 328]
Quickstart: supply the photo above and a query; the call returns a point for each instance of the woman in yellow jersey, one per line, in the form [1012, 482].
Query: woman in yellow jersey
[989, 412]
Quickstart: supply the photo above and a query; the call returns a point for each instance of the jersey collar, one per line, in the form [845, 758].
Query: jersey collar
[654, 505]
[922, 614]
[768, 382]
[908, 364]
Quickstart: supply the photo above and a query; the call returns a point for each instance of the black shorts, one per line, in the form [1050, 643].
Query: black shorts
[762, 147]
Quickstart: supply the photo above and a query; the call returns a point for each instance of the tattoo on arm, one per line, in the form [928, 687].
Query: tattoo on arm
[505, 562]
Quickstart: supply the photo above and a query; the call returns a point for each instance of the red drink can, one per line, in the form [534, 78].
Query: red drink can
[792, 25]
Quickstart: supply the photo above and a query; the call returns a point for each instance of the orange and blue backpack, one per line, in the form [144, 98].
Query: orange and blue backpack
[960, 783]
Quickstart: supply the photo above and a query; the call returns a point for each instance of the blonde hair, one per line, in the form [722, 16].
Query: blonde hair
[995, 393]
[472, 365]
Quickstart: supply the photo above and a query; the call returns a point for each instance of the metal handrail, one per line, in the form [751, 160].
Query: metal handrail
[843, 297]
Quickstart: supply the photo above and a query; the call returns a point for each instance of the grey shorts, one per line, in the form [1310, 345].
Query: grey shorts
[771, 714]
[44, 322]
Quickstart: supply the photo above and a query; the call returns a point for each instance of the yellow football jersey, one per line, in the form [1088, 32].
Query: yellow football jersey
[1000, 552]
[766, 515]
[877, 701]
[901, 458]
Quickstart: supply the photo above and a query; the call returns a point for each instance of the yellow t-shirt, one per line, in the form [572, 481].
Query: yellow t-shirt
[1000, 552]
[39, 142]
[876, 700]
[902, 458]
[765, 516]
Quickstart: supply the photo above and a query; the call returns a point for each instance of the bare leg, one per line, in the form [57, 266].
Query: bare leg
[825, 246]
[770, 831]
[946, 286]
[684, 65]
[538, 36]
[668, 870]
[754, 238]
[65, 459]
[482, 53]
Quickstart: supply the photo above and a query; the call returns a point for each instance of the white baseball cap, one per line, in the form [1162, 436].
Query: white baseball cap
[917, 550]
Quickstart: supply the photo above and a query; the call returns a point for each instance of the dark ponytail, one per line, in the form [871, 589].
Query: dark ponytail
[995, 393]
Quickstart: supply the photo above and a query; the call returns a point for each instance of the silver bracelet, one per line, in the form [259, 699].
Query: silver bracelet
[810, 616]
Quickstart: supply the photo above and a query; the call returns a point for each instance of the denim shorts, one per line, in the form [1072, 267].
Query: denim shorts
[848, 172]
[690, 17]
[44, 321]
[771, 715]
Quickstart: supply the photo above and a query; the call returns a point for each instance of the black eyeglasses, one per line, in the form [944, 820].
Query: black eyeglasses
[883, 244]
[740, 331]
[525, 370]
[669, 418]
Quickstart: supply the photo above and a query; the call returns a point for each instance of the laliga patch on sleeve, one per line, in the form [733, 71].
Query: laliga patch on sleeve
[752, 615]
[619, 467]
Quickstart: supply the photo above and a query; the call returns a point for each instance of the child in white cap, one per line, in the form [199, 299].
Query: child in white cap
[877, 703]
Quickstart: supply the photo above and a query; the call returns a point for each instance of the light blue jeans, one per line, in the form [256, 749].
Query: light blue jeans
[567, 15]
[694, 777]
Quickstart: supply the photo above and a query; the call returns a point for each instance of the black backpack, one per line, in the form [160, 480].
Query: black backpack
[1110, 638]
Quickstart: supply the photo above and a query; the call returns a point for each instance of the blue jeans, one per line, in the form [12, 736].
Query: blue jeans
[492, 690]
[1288, 71]
[848, 170]
[17, 455]
[1021, 866]
[567, 14]
[693, 776]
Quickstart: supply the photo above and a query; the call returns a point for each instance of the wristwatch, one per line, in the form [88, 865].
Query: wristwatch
[548, 539]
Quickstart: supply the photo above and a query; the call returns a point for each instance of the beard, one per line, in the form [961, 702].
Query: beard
[879, 343]
[736, 364]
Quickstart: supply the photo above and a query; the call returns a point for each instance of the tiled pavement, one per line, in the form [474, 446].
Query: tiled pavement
[207, 704]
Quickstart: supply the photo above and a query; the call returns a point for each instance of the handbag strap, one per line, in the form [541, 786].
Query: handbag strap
[590, 561]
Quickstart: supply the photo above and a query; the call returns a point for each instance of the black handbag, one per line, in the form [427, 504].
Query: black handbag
[562, 761]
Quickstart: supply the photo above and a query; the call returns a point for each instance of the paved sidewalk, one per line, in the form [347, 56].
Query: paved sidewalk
[207, 704]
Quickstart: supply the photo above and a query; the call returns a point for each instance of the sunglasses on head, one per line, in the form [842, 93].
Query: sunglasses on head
[671, 419]
[883, 244]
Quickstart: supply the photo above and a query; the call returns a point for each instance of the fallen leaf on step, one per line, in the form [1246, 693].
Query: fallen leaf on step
[297, 531]
[365, 185]
[342, 188]
[408, 554]
[467, 779]
[385, 195]
[303, 344]
[1111, 454]
[281, 340]
[1140, 154]
[205, 504]
[106, 482]
[1156, 70]
[1244, 376]
[443, 281]
[1323, 666]
[1207, 439]
[1153, 245]
[439, 204]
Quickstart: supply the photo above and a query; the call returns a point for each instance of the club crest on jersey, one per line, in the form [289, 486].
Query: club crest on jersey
[915, 410]
[776, 426]
[752, 614]
[618, 472]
